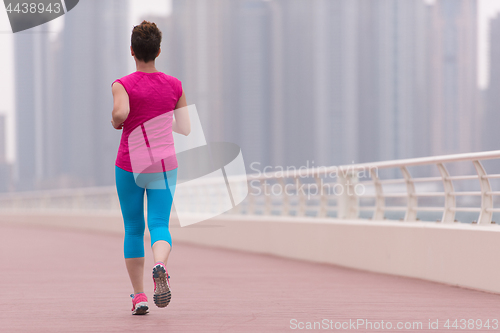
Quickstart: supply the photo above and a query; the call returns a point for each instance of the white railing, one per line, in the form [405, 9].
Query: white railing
[336, 192]
[102, 198]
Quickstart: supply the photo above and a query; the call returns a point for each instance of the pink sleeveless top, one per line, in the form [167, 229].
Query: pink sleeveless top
[147, 132]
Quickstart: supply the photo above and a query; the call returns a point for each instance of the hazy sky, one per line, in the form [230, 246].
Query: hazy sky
[487, 9]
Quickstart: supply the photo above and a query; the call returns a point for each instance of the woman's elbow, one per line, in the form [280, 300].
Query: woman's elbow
[119, 115]
[186, 129]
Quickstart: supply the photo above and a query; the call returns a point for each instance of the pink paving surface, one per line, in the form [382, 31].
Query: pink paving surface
[56, 280]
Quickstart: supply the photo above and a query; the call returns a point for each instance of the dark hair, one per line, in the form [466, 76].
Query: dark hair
[146, 40]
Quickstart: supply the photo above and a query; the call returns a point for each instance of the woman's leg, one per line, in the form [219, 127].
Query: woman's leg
[135, 268]
[161, 250]
[160, 195]
[131, 199]
[160, 192]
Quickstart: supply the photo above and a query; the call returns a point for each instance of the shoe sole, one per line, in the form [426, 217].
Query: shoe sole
[140, 309]
[162, 293]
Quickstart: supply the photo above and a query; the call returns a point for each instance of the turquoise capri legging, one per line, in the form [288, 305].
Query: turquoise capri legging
[160, 189]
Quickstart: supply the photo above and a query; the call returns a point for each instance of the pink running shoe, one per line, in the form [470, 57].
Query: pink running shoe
[139, 304]
[162, 293]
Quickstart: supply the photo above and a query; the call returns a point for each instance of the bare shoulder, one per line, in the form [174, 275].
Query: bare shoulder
[118, 88]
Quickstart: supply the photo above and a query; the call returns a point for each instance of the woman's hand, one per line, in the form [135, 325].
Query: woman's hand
[119, 127]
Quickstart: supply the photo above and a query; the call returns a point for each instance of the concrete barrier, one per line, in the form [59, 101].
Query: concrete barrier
[456, 254]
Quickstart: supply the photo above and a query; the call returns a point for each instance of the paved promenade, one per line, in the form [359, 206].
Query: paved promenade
[55, 280]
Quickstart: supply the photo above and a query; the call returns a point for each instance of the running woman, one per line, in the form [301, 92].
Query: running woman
[145, 95]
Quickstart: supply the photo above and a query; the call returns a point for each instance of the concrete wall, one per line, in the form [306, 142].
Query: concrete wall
[457, 254]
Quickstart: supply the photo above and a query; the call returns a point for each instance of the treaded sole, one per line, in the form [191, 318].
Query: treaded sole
[141, 310]
[162, 293]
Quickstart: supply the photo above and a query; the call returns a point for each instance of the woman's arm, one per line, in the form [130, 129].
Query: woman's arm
[181, 123]
[121, 106]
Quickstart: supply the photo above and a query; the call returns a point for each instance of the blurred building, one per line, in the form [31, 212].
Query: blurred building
[31, 50]
[491, 96]
[296, 74]
[64, 101]
[221, 51]
[93, 56]
[5, 167]
[453, 77]
[3, 141]
[249, 66]
[346, 81]
[392, 88]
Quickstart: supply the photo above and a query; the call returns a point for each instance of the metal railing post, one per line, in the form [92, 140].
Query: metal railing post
[302, 199]
[348, 202]
[267, 198]
[378, 213]
[286, 201]
[322, 197]
[411, 202]
[239, 208]
[251, 199]
[486, 199]
[449, 197]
